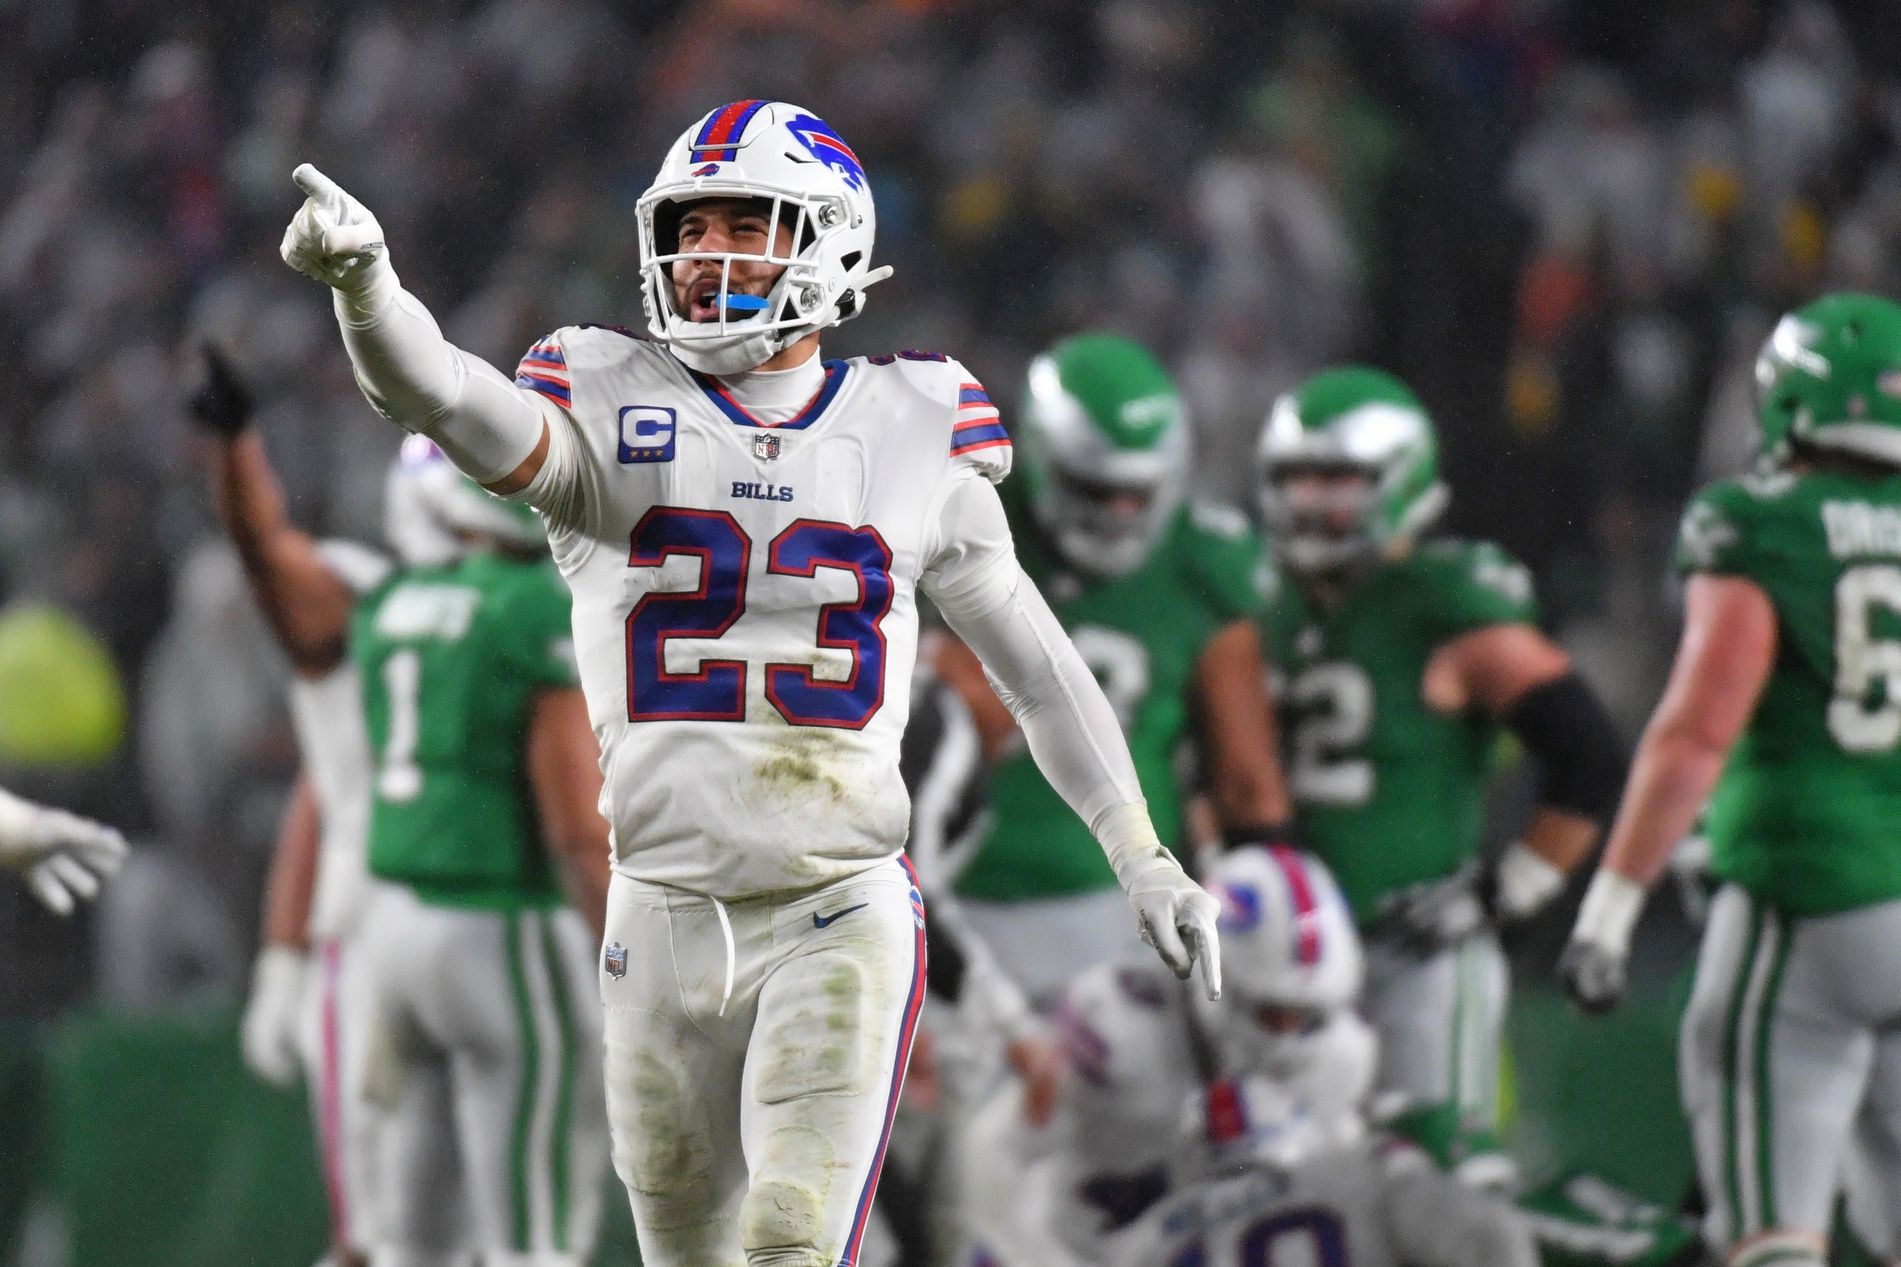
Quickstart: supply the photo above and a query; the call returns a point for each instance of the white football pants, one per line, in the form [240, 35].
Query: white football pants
[1790, 1057]
[488, 1072]
[755, 1053]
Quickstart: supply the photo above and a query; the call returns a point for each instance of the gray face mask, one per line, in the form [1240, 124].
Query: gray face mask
[1095, 532]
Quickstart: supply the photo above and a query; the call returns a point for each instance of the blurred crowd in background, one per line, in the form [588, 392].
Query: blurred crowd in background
[1568, 223]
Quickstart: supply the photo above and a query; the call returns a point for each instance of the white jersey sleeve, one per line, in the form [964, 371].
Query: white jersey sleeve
[327, 715]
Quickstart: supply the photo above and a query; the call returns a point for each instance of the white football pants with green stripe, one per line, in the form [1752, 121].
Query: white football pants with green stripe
[1791, 1060]
[1439, 1020]
[495, 1123]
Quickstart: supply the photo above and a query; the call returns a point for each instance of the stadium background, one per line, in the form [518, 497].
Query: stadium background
[1568, 224]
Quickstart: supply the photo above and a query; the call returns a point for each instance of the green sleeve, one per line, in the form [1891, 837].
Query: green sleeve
[1477, 584]
[1228, 561]
[539, 637]
[1712, 536]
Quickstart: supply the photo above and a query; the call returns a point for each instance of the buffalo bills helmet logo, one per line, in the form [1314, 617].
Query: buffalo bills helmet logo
[1240, 907]
[829, 148]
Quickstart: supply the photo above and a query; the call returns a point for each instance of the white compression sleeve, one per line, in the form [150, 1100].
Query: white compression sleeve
[421, 382]
[1072, 731]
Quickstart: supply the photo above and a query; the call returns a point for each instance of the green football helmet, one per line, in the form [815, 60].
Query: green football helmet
[1829, 377]
[1348, 421]
[1103, 451]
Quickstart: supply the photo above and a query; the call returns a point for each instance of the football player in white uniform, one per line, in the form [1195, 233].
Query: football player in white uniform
[745, 527]
[1229, 1134]
[62, 856]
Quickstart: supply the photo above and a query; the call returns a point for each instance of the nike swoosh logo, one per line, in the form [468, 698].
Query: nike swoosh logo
[826, 921]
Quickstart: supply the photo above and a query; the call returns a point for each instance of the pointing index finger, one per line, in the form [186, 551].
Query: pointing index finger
[317, 185]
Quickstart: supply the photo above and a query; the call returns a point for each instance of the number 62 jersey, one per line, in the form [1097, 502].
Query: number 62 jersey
[744, 596]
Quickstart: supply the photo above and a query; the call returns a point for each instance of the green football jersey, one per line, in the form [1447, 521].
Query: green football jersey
[1388, 791]
[1142, 634]
[450, 658]
[1803, 816]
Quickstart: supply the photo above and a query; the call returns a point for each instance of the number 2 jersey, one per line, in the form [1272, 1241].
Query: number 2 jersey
[1803, 816]
[1389, 791]
[744, 598]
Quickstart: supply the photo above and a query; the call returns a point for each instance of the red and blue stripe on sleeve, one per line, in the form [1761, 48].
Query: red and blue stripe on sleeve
[545, 370]
[978, 425]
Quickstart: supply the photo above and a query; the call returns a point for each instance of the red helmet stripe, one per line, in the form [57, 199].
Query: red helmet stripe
[1306, 908]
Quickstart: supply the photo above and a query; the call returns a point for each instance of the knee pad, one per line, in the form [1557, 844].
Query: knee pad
[1779, 1249]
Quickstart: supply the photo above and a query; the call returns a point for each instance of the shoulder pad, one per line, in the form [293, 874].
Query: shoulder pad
[360, 567]
[977, 436]
[544, 368]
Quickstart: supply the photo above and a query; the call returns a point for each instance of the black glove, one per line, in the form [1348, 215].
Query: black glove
[221, 405]
[1434, 915]
[1593, 975]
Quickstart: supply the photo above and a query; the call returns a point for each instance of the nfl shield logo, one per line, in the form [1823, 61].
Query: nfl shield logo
[616, 960]
[766, 447]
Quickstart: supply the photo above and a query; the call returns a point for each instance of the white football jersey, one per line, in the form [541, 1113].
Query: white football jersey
[327, 715]
[1373, 1203]
[1145, 1088]
[744, 600]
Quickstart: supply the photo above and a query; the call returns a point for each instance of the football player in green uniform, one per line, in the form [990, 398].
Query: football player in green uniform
[1398, 663]
[1159, 594]
[484, 1070]
[1785, 703]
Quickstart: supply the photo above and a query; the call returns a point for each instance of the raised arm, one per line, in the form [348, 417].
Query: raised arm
[500, 435]
[974, 578]
[307, 604]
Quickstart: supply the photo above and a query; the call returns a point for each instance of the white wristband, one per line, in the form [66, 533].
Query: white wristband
[1611, 907]
[1525, 881]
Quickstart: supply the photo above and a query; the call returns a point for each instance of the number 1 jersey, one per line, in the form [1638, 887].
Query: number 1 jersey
[744, 599]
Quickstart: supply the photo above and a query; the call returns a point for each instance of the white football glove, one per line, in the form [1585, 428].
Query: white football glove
[1173, 914]
[273, 1015]
[1594, 966]
[62, 856]
[334, 239]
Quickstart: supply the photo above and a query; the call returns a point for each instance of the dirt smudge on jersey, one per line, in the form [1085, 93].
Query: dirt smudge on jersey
[802, 768]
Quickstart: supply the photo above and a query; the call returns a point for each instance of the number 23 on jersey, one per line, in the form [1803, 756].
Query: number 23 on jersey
[716, 689]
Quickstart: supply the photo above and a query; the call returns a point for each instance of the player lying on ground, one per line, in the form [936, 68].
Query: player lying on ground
[61, 856]
[453, 781]
[1232, 1132]
[744, 528]
[1400, 660]
[1160, 595]
[1785, 703]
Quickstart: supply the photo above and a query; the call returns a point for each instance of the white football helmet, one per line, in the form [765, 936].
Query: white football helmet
[428, 503]
[408, 526]
[1291, 960]
[790, 157]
